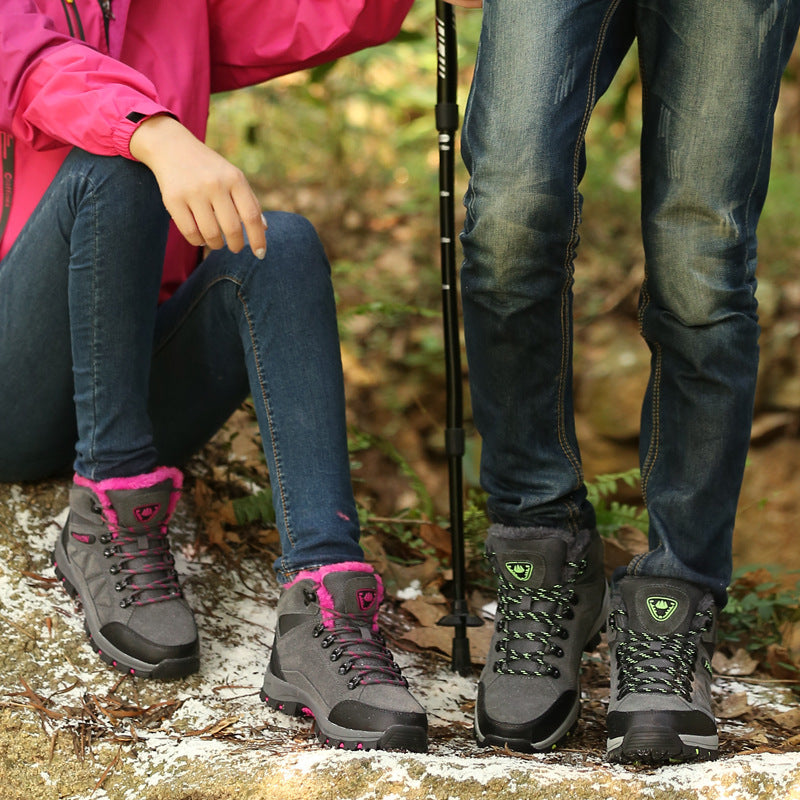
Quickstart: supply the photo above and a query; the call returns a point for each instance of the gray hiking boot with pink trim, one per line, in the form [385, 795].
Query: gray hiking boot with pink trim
[113, 555]
[330, 661]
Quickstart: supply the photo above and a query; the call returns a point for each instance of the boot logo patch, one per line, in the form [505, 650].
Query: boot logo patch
[366, 598]
[145, 513]
[661, 608]
[520, 570]
[83, 538]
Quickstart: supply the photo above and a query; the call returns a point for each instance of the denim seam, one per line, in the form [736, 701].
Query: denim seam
[261, 383]
[569, 269]
[648, 462]
[653, 447]
[90, 198]
[268, 410]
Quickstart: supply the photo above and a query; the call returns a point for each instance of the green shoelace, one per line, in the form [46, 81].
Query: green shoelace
[540, 626]
[662, 664]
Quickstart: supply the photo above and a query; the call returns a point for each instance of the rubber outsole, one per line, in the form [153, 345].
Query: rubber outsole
[525, 746]
[167, 669]
[655, 747]
[397, 737]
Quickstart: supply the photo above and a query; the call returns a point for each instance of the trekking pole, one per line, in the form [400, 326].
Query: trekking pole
[447, 125]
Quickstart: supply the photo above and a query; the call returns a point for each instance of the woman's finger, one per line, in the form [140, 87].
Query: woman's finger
[249, 212]
[206, 221]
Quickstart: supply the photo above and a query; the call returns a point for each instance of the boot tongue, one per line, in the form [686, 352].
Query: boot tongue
[353, 592]
[142, 509]
[658, 605]
[533, 564]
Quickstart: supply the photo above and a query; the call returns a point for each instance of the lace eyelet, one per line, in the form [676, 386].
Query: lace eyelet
[318, 630]
[354, 682]
[328, 640]
[309, 596]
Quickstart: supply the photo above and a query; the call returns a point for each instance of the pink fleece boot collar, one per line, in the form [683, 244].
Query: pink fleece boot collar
[326, 603]
[144, 481]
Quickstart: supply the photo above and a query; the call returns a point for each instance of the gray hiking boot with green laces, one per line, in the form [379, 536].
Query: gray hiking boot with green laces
[551, 606]
[330, 661]
[113, 555]
[661, 640]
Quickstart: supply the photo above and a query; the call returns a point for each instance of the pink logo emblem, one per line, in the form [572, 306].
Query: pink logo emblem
[145, 513]
[366, 598]
[83, 538]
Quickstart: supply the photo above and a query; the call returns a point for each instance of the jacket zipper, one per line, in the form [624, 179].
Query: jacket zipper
[73, 31]
[108, 15]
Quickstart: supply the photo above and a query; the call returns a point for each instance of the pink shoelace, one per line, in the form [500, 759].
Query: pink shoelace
[126, 546]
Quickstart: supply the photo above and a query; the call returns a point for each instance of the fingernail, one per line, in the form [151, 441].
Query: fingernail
[260, 253]
[264, 221]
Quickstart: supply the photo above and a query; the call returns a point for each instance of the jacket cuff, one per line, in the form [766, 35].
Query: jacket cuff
[121, 133]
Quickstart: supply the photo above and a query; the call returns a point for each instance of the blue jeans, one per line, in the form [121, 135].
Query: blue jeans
[94, 371]
[710, 73]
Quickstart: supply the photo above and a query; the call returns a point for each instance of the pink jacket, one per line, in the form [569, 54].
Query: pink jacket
[85, 73]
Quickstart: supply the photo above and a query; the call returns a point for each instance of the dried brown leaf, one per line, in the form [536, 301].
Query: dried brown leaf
[740, 663]
[441, 638]
[733, 706]
[402, 575]
[793, 742]
[215, 727]
[425, 612]
[437, 537]
[789, 720]
[780, 663]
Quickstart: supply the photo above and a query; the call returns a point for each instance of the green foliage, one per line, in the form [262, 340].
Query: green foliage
[390, 312]
[611, 514]
[255, 508]
[759, 606]
[476, 525]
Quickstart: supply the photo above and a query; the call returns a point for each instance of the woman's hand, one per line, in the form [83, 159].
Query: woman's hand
[208, 198]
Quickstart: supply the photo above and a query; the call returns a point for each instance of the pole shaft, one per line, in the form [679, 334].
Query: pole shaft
[447, 120]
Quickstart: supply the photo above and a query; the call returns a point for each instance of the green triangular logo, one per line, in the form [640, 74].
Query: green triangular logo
[661, 608]
[520, 570]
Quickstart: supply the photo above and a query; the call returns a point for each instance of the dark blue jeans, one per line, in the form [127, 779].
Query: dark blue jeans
[95, 373]
[710, 73]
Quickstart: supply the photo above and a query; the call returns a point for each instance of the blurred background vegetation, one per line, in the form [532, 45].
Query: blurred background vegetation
[353, 147]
